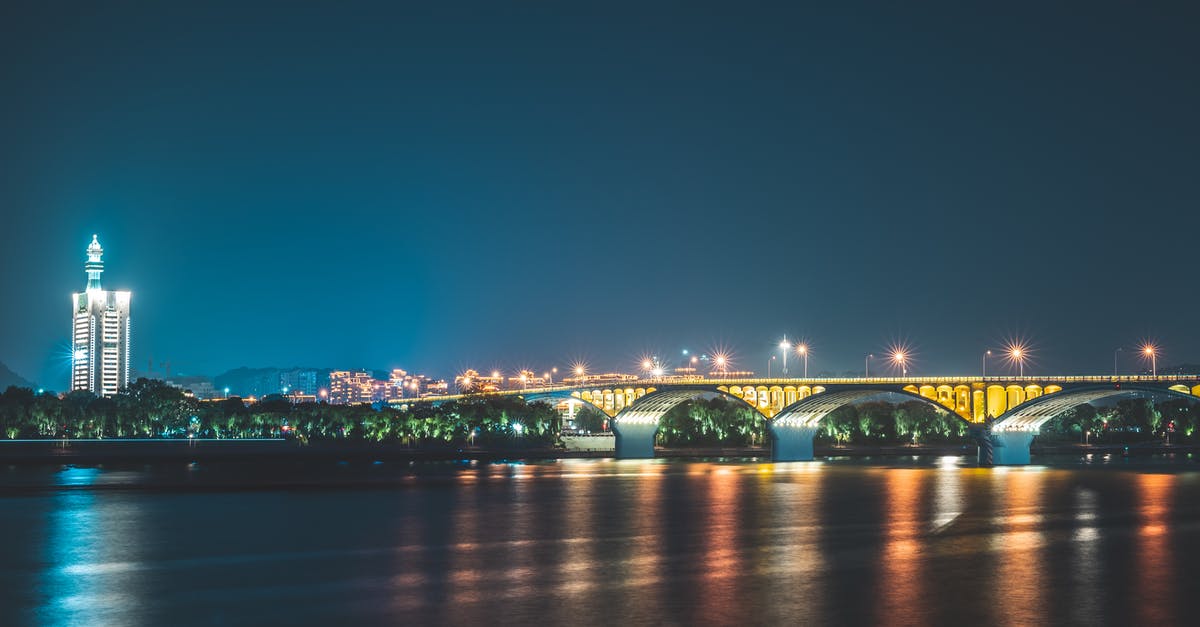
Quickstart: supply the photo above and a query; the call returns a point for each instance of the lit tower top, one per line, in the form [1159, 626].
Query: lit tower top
[94, 265]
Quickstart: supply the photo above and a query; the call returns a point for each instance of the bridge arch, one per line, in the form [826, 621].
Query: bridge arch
[636, 426]
[793, 428]
[605, 400]
[1014, 430]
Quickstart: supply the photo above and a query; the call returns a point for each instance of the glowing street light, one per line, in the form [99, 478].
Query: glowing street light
[867, 365]
[900, 359]
[986, 354]
[803, 350]
[1018, 355]
[1151, 352]
[721, 361]
[784, 347]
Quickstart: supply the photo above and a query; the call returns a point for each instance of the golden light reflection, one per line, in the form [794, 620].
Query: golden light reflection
[1154, 564]
[1019, 544]
[577, 578]
[642, 565]
[901, 560]
[720, 563]
[463, 571]
[1086, 573]
[793, 494]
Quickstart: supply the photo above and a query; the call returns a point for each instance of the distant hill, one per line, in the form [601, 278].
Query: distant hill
[8, 377]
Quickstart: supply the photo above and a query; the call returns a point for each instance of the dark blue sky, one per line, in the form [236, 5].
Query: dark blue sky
[481, 184]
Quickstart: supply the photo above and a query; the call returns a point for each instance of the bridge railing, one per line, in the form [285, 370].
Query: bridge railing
[815, 381]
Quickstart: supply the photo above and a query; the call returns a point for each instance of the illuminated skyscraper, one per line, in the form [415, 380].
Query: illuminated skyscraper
[99, 333]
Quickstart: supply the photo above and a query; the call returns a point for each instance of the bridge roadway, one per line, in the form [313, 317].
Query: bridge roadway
[1005, 412]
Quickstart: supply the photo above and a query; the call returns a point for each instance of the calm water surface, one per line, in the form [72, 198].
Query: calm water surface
[602, 542]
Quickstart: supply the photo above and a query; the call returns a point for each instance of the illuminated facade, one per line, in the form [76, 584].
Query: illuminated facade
[349, 387]
[99, 333]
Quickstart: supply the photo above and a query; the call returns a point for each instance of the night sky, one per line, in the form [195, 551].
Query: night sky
[505, 184]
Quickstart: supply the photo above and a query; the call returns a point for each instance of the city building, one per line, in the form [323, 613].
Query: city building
[526, 379]
[472, 381]
[351, 387]
[301, 381]
[416, 385]
[597, 379]
[99, 332]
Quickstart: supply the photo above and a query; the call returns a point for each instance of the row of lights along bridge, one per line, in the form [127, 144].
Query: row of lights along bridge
[720, 363]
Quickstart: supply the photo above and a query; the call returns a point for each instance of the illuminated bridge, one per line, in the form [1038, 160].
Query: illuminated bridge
[1007, 411]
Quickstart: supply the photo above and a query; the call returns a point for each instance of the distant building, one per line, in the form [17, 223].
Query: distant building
[472, 381]
[99, 333]
[347, 387]
[302, 381]
[434, 387]
[600, 379]
[526, 379]
[416, 385]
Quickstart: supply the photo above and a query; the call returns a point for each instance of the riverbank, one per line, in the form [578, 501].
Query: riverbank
[147, 451]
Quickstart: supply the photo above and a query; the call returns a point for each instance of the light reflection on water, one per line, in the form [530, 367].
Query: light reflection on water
[605, 542]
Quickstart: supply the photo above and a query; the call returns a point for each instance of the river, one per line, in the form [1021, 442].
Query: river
[911, 541]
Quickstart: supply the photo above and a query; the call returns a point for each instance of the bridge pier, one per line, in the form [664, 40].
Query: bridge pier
[635, 440]
[1011, 448]
[791, 443]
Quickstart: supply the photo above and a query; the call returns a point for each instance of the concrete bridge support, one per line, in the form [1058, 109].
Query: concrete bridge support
[1011, 448]
[791, 443]
[635, 440]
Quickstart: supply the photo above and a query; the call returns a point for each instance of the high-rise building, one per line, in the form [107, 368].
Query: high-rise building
[99, 333]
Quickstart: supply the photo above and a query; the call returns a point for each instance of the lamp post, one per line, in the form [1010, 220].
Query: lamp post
[784, 347]
[721, 361]
[986, 354]
[1116, 353]
[1018, 356]
[1151, 351]
[803, 350]
[867, 365]
[900, 358]
[769, 362]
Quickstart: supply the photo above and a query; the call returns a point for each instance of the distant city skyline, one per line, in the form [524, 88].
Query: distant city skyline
[480, 187]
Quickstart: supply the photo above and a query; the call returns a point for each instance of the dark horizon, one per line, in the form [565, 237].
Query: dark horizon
[436, 188]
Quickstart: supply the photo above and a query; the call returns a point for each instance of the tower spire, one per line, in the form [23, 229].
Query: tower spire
[94, 265]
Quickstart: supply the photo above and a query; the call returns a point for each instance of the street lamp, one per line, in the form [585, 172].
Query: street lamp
[803, 350]
[1018, 355]
[769, 362]
[900, 358]
[720, 361]
[784, 347]
[986, 354]
[867, 365]
[1151, 351]
[1115, 354]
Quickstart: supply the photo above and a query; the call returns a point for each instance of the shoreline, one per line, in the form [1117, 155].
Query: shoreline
[147, 451]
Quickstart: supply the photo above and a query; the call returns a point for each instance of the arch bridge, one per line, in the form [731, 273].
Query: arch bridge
[1008, 410]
